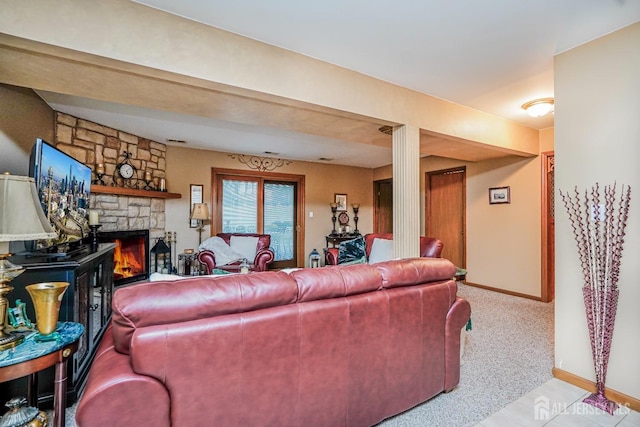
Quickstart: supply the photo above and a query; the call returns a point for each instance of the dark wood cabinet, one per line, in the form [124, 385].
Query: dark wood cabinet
[86, 301]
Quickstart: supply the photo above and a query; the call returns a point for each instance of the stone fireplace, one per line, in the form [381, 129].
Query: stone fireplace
[131, 255]
[131, 217]
[93, 144]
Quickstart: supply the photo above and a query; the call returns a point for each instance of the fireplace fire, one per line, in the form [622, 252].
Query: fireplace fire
[131, 259]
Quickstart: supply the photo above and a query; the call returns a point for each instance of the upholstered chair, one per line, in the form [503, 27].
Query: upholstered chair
[430, 247]
[260, 262]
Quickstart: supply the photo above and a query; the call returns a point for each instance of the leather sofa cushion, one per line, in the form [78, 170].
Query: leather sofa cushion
[334, 282]
[161, 303]
[414, 272]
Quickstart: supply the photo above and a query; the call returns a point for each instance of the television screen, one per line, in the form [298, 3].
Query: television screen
[63, 185]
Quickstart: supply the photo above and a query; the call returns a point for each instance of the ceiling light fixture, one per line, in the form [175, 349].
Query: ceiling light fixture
[538, 107]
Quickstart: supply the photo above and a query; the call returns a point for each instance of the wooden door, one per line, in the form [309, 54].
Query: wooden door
[383, 206]
[548, 227]
[445, 212]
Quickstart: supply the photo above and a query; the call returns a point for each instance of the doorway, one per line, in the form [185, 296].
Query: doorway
[383, 206]
[548, 227]
[445, 212]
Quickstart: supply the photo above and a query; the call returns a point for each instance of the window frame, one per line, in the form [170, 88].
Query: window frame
[217, 176]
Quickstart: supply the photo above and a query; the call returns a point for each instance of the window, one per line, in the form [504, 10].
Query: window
[251, 202]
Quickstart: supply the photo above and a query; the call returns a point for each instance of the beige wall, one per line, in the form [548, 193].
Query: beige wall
[546, 140]
[188, 166]
[503, 241]
[598, 142]
[24, 116]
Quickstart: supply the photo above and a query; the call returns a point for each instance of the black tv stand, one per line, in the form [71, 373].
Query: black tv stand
[59, 255]
[86, 301]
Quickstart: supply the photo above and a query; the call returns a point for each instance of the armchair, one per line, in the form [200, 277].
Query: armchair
[430, 247]
[264, 255]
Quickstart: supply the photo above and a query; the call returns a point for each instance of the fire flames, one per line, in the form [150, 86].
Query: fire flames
[128, 261]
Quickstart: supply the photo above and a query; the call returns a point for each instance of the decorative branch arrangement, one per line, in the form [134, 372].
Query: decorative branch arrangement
[599, 229]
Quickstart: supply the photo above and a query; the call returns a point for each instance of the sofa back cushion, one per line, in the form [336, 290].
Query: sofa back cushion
[163, 303]
[413, 271]
[334, 282]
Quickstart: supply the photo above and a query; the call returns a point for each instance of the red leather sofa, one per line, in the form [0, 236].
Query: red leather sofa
[430, 247]
[264, 254]
[334, 346]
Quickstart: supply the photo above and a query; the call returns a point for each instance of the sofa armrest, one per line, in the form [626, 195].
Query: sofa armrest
[331, 256]
[111, 381]
[208, 259]
[457, 318]
[263, 258]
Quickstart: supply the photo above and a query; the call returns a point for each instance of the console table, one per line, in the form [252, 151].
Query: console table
[30, 357]
[339, 238]
[87, 301]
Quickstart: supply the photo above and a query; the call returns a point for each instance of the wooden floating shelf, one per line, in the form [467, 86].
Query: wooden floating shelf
[133, 192]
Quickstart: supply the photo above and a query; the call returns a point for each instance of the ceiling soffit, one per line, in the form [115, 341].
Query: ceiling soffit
[85, 75]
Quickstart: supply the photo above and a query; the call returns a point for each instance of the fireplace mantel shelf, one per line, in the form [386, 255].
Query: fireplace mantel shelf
[134, 192]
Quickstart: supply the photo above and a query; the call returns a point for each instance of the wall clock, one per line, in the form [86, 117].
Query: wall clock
[343, 218]
[125, 174]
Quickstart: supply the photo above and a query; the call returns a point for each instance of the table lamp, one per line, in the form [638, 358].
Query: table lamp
[200, 213]
[21, 218]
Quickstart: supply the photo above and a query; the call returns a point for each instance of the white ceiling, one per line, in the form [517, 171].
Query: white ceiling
[491, 55]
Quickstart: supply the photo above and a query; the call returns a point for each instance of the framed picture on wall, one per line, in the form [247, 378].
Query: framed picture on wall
[196, 197]
[341, 201]
[499, 195]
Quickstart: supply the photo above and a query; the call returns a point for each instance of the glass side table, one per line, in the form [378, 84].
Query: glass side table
[30, 357]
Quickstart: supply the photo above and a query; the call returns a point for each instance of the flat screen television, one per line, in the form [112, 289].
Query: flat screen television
[63, 185]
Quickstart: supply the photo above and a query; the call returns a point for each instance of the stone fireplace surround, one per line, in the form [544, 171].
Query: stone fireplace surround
[92, 143]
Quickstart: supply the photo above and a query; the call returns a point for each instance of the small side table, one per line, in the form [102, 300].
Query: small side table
[30, 357]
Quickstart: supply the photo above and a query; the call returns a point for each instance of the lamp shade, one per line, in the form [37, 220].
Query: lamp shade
[21, 216]
[200, 211]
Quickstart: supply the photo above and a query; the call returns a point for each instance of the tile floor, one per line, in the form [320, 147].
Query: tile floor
[557, 403]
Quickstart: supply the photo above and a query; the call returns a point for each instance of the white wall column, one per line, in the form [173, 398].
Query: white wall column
[406, 191]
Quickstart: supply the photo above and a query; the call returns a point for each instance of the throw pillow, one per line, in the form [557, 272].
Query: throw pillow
[246, 246]
[351, 250]
[362, 260]
[381, 250]
[222, 252]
